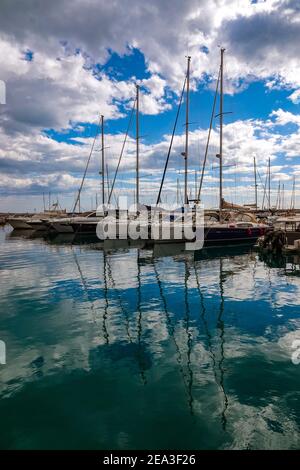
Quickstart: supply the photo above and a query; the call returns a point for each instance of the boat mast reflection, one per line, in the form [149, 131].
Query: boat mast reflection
[90, 300]
[139, 321]
[106, 303]
[188, 382]
[220, 326]
[188, 333]
[217, 365]
[119, 297]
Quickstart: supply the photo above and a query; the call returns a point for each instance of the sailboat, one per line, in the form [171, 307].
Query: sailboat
[37, 221]
[224, 229]
[233, 231]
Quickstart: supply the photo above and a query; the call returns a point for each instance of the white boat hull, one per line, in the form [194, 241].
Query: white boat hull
[19, 224]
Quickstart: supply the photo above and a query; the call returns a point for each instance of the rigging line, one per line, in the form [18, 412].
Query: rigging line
[265, 189]
[171, 142]
[263, 185]
[86, 169]
[122, 150]
[266, 195]
[261, 181]
[208, 137]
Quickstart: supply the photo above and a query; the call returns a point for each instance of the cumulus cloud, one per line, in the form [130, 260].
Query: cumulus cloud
[55, 55]
[165, 32]
[265, 43]
[295, 96]
[243, 140]
[52, 92]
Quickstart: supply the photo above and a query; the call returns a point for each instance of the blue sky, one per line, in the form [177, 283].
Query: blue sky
[60, 74]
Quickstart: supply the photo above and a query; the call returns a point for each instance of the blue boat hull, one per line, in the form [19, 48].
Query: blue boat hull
[225, 236]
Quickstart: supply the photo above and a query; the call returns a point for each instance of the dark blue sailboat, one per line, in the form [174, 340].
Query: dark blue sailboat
[232, 232]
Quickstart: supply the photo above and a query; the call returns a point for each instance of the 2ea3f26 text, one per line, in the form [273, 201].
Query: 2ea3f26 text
[150, 459]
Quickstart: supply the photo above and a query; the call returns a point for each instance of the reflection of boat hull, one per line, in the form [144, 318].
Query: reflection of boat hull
[76, 225]
[21, 233]
[168, 249]
[61, 227]
[223, 251]
[38, 225]
[122, 244]
[85, 227]
[62, 238]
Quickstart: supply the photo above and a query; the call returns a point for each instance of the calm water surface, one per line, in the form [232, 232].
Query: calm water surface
[123, 349]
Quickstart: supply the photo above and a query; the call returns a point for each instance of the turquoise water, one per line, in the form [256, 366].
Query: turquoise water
[123, 349]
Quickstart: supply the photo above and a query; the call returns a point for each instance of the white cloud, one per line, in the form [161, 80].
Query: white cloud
[295, 96]
[282, 117]
[164, 32]
[27, 156]
[51, 93]
[61, 87]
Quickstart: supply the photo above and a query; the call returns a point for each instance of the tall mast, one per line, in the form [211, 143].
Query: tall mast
[269, 183]
[221, 135]
[107, 179]
[278, 197]
[186, 199]
[137, 146]
[110, 191]
[102, 160]
[255, 183]
[208, 137]
[293, 195]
